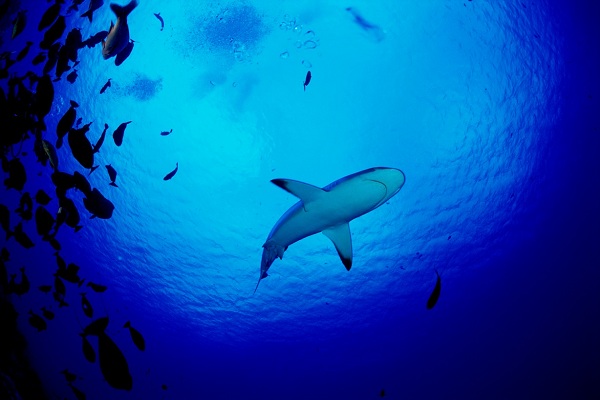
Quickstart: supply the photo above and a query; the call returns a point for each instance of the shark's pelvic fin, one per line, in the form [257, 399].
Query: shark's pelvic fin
[304, 191]
[342, 240]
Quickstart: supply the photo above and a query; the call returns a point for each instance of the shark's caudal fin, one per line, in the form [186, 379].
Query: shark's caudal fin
[123, 11]
[271, 251]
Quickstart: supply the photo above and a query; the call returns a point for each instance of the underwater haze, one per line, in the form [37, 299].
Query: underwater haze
[461, 140]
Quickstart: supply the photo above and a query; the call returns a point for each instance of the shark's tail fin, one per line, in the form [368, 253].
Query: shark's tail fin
[123, 11]
[271, 251]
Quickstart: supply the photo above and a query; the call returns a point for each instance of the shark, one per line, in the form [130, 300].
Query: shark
[329, 210]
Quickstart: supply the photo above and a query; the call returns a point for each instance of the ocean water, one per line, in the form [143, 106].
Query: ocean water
[490, 109]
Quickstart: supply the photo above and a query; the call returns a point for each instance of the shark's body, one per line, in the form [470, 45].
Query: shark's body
[329, 210]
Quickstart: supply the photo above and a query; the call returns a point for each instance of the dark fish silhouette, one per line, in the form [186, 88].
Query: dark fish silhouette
[136, 336]
[44, 96]
[52, 58]
[73, 43]
[53, 33]
[50, 15]
[96, 287]
[79, 395]
[106, 86]
[42, 198]
[79, 121]
[50, 152]
[40, 58]
[67, 213]
[44, 221]
[88, 350]
[5, 220]
[55, 243]
[172, 173]
[23, 53]
[16, 174]
[86, 306]
[166, 133]
[37, 322]
[118, 34]
[81, 183]
[49, 315]
[112, 174]
[162, 22]
[25, 209]
[45, 288]
[72, 76]
[4, 254]
[62, 62]
[19, 23]
[96, 327]
[435, 295]
[69, 376]
[101, 140]
[119, 133]
[307, 79]
[21, 237]
[95, 39]
[98, 205]
[59, 286]
[373, 30]
[124, 54]
[94, 5]
[60, 299]
[113, 364]
[81, 147]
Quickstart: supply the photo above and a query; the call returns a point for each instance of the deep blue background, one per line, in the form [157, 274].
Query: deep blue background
[490, 110]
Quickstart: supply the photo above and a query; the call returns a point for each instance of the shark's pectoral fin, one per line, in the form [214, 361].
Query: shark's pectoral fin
[304, 191]
[342, 240]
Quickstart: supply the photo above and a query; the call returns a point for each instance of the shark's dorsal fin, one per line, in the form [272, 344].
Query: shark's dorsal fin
[304, 191]
[342, 240]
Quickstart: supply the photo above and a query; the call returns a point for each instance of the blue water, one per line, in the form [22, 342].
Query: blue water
[489, 108]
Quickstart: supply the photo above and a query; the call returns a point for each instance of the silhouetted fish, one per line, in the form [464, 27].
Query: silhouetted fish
[96, 287]
[112, 174]
[4, 254]
[95, 39]
[86, 306]
[67, 213]
[42, 198]
[23, 53]
[5, 220]
[16, 175]
[25, 209]
[94, 5]
[81, 147]
[101, 139]
[72, 76]
[118, 34]
[44, 221]
[79, 395]
[40, 58]
[113, 364]
[96, 327]
[52, 58]
[50, 15]
[19, 23]
[172, 173]
[98, 205]
[49, 315]
[45, 288]
[124, 54]
[136, 336]
[119, 133]
[88, 350]
[60, 299]
[375, 32]
[59, 285]
[162, 22]
[73, 43]
[435, 295]
[81, 183]
[21, 237]
[44, 96]
[166, 133]
[37, 322]
[106, 86]
[54, 33]
[50, 152]
[307, 79]
[69, 376]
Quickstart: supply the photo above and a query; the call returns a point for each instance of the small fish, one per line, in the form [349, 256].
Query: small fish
[79, 395]
[435, 295]
[60, 299]
[19, 23]
[96, 327]
[94, 5]
[106, 86]
[162, 22]
[81, 183]
[49, 315]
[307, 79]
[16, 175]
[44, 96]
[69, 376]
[5, 220]
[44, 221]
[112, 174]
[72, 76]
[118, 34]
[49, 15]
[95, 39]
[37, 322]
[50, 152]
[81, 147]
[119, 133]
[124, 54]
[172, 173]
[96, 287]
[54, 33]
[59, 285]
[98, 205]
[136, 336]
[40, 58]
[42, 198]
[88, 350]
[86, 306]
[23, 53]
[113, 364]
[79, 121]
[21, 237]
[101, 139]
[166, 133]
